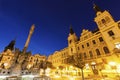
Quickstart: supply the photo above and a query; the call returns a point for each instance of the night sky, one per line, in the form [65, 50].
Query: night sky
[52, 19]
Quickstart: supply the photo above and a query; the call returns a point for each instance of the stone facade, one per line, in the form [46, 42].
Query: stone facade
[97, 48]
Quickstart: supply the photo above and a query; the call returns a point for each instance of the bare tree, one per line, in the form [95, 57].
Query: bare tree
[45, 64]
[78, 62]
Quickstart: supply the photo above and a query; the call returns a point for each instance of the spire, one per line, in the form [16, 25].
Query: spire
[96, 8]
[11, 45]
[71, 30]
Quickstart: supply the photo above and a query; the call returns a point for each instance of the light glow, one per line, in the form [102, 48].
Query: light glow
[3, 77]
[93, 63]
[117, 45]
[112, 63]
[27, 76]
[5, 64]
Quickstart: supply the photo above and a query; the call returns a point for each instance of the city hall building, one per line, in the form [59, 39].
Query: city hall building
[99, 49]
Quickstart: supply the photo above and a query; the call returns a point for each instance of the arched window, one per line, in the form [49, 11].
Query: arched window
[70, 41]
[106, 50]
[91, 55]
[98, 52]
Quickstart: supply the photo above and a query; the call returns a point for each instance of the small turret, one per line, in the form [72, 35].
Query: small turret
[71, 30]
[10, 46]
[96, 8]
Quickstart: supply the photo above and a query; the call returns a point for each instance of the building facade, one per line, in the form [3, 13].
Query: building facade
[35, 60]
[99, 49]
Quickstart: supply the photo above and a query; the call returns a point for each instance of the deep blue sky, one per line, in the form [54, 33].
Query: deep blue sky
[52, 19]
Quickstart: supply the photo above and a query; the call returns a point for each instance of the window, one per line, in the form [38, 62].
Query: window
[91, 55]
[106, 50]
[103, 21]
[87, 44]
[82, 46]
[85, 56]
[100, 39]
[70, 41]
[119, 25]
[94, 42]
[110, 33]
[98, 52]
